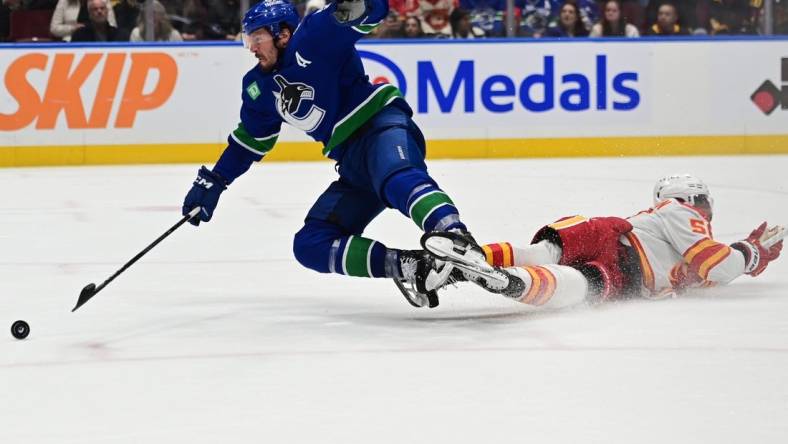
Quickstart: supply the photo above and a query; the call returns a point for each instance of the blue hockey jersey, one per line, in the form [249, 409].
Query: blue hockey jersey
[318, 85]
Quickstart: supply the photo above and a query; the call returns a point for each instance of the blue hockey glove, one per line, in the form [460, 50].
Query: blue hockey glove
[204, 193]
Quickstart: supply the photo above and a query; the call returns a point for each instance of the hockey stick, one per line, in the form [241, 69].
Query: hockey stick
[90, 290]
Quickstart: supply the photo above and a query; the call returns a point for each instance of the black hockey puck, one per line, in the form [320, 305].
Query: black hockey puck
[20, 329]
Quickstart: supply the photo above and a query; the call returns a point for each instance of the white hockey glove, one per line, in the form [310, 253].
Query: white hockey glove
[349, 10]
[761, 247]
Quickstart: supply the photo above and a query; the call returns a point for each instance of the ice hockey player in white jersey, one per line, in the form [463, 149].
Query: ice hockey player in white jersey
[655, 254]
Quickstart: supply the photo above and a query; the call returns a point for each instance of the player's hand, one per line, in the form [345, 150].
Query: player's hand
[349, 10]
[205, 194]
[761, 247]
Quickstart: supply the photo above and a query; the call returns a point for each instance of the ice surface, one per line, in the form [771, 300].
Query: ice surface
[219, 336]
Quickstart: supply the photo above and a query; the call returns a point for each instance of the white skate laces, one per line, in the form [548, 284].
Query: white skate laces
[408, 266]
[433, 275]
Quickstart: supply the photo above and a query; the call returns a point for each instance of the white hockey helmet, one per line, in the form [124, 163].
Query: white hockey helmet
[686, 188]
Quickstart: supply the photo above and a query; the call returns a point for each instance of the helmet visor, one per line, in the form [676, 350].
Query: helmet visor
[257, 38]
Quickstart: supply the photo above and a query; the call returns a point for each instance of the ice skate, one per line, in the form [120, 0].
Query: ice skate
[422, 276]
[465, 254]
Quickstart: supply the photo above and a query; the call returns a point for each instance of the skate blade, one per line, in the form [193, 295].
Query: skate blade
[416, 299]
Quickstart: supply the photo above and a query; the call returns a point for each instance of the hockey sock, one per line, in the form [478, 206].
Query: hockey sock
[559, 285]
[326, 248]
[359, 256]
[502, 254]
[413, 192]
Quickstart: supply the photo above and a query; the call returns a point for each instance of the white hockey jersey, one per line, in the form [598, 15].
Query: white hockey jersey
[676, 250]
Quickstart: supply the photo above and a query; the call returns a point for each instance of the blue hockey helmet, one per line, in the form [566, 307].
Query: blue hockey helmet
[270, 14]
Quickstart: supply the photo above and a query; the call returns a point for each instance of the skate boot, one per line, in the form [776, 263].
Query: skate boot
[460, 249]
[422, 276]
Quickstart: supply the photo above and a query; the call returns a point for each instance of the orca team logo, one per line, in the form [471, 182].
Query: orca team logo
[768, 97]
[289, 100]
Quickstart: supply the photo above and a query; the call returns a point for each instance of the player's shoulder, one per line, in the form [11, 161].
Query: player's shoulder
[674, 207]
[679, 214]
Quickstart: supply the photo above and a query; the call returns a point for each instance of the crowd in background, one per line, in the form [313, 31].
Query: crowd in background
[178, 20]
[578, 18]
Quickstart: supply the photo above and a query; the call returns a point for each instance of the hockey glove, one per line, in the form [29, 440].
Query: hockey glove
[204, 193]
[761, 247]
[349, 10]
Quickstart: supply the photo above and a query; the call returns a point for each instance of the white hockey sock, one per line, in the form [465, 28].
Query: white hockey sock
[543, 252]
[551, 285]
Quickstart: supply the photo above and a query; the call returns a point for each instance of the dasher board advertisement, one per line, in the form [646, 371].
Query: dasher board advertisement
[77, 104]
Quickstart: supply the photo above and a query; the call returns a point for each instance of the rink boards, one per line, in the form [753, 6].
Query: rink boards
[120, 104]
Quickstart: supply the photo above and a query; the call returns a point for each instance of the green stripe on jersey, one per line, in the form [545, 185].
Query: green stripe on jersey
[426, 204]
[260, 145]
[363, 112]
[357, 253]
[366, 28]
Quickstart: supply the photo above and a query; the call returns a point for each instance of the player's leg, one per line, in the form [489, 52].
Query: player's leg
[394, 160]
[558, 285]
[504, 254]
[331, 241]
[580, 239]
[551, 285]
[593, 263]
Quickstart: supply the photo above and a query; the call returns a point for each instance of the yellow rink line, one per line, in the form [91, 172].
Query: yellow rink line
[436, 149]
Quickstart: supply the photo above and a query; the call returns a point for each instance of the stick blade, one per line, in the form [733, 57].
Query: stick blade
[88, 292]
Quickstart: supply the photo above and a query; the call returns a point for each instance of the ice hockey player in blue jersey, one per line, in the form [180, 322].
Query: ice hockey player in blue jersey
[310, 76]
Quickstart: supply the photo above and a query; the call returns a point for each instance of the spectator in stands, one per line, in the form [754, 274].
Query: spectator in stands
[405, 8]
[210, 20]
[667, 22]
[65, 18]
[391, 28]
[162, 28]
[127, 13]
[97, 29]
[486, 15]
[733, 16]
[225, 17]
[535, 16]
[461, 27]
[6, 8]
[435, 14]
[588, 11]
[413, 29]
[175, 7]
[196, 23]
[634, 12]
[686, 10]
[781, 18]
[569, 23]
[613, 23]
